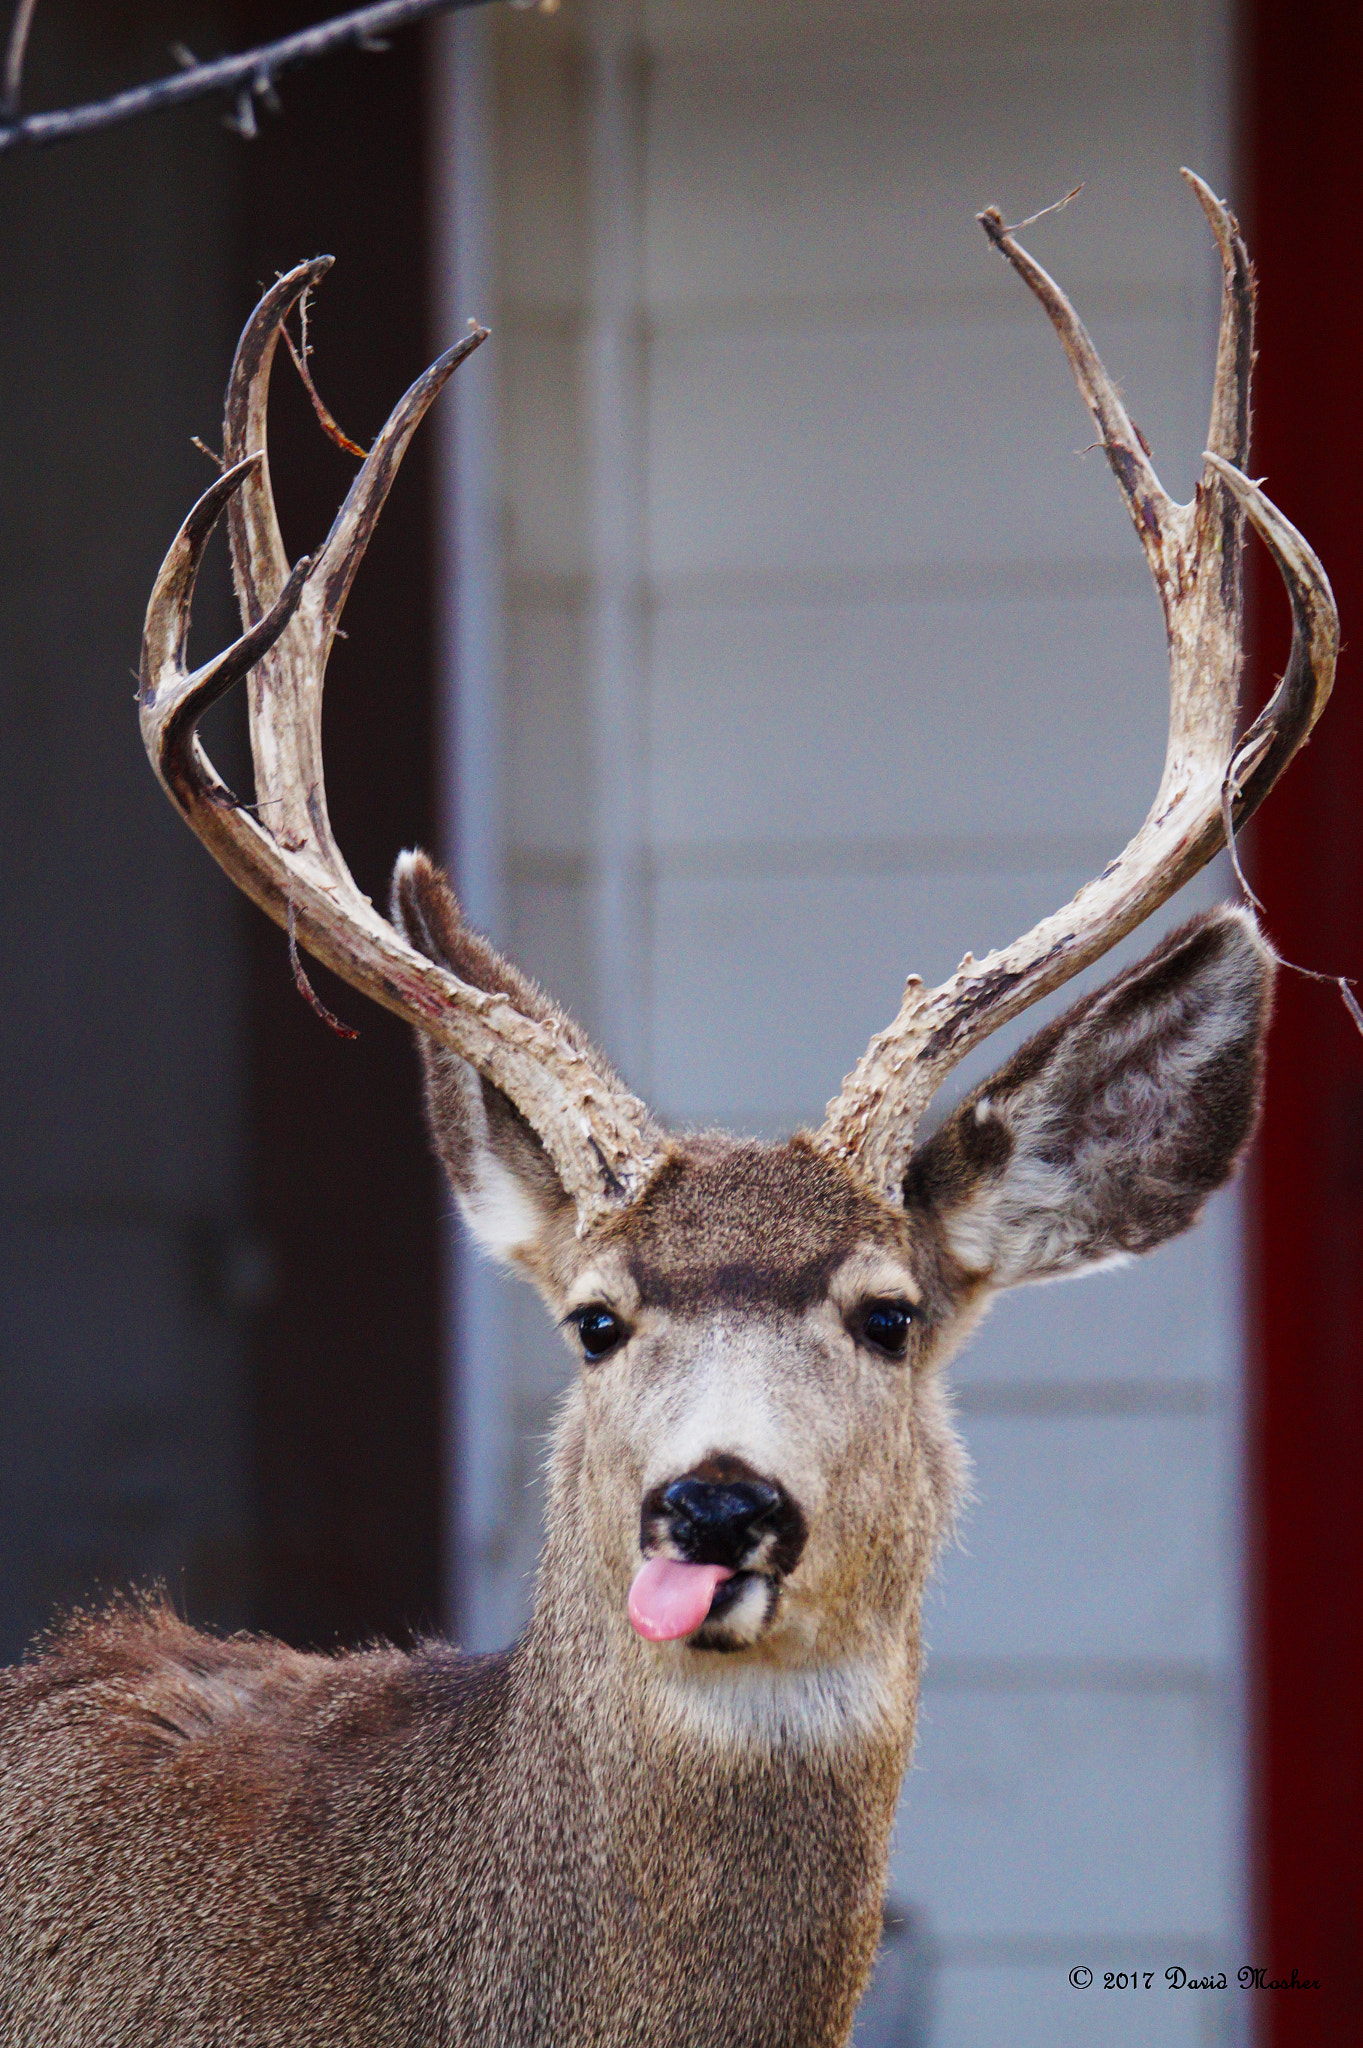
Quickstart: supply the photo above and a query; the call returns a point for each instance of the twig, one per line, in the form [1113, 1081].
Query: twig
[243, 79]
[1054, 207]
[1242, 763]
[1245, 759]
[1343, 982]
[306, 989]
[326, 419]
[14, 59]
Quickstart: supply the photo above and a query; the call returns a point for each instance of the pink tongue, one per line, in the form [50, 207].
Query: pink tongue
[669, 1599]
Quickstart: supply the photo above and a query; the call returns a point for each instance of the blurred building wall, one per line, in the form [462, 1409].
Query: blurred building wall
[824, 656]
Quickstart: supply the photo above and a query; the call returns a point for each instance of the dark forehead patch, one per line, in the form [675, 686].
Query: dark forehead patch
[749, 1225]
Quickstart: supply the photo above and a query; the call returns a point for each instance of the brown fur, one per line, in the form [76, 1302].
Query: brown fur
[592, 1838]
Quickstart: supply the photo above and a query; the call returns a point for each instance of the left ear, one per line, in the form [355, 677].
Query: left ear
[1107, 1132]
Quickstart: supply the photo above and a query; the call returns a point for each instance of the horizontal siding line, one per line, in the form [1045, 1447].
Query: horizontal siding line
[1182, 1677]
[798, 860]
[1063, 1398]
[1198, 1954]
[530, 590]
[936, 854]
[864, 34]
[842, 314]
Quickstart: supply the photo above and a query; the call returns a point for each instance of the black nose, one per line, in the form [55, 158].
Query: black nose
[731, 1520]
[718, 1524]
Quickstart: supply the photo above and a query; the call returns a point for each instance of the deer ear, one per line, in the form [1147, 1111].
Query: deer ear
[1107, 1132]
[508, 1191]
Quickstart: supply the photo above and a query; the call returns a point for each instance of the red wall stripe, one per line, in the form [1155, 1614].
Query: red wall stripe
[1304, 135]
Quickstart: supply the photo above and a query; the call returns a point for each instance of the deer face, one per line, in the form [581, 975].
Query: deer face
[755, 1461]
[764, 1461]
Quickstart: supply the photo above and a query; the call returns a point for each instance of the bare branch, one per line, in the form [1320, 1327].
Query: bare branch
[243, 79]
[306, 989]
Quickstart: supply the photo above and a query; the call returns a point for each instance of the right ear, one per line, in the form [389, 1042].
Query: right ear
[1105, 1134]
[508, 1191]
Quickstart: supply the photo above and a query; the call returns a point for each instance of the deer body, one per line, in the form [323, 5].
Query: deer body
[432, 1849]
[664, 1816]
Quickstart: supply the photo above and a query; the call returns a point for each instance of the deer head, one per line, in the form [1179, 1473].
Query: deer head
[754, 1455]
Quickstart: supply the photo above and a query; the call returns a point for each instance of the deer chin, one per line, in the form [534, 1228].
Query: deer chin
[739, 1613]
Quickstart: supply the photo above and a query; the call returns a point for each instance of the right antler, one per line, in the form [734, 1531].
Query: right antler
[1209, 788]
[599, 1136]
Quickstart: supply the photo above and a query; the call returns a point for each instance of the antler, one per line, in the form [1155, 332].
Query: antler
[599, 1136]
[1209, 785]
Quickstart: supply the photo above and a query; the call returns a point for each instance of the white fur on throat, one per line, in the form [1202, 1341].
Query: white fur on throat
[755, 1709]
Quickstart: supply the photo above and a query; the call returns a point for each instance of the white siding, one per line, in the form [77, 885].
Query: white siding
[830, 655]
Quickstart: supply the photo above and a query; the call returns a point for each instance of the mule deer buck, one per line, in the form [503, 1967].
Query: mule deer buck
[663, 1816]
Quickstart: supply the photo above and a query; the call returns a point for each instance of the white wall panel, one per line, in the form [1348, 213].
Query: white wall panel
[548, 765]
[768, 985]
[844, 721]
[547, 936]
[539, 366]
[881, 446]
[1009, 1791]
[1098, 1536]
[997, 120]
[1167, 1324]
[543, 178]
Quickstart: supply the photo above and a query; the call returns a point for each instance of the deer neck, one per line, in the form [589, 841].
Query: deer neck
[731, 1861]
[663, 1739]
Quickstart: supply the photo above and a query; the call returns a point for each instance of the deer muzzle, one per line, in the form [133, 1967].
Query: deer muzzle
[717, 1542]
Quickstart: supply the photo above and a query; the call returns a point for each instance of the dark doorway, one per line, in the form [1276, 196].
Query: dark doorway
[346, 1407]
[219, 1351]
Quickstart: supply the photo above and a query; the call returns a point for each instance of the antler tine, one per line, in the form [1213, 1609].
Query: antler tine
[1228, 430]
[259, 563]
[599, 1136]
[286, 693]
[355, 522]
[1284, 725]
[1194, 552]
[1148, 502]
[173, 700]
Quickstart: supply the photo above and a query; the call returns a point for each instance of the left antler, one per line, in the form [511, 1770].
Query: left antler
[599, 1136]
[1209, 784]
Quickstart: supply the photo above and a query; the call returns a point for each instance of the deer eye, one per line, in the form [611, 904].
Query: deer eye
[885, 1326]
[600, 1330]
